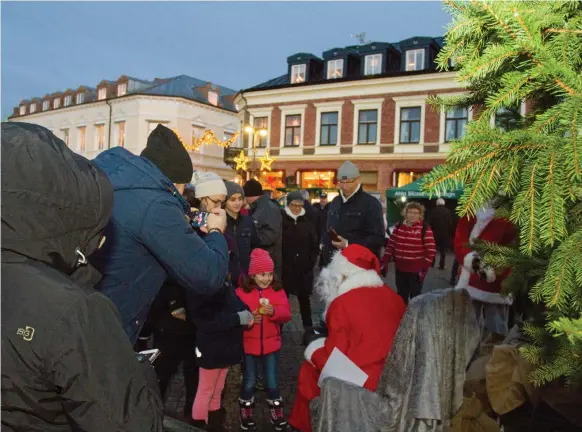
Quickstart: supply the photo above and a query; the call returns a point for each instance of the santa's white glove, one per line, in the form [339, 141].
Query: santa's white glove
[488, 274]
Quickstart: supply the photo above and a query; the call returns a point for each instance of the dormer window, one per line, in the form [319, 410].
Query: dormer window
[80, 98]
[121, 89]
[102, 94]
[414, 60]
[373, 64]
[298, 73]
[22, 109]
[335, 69]
[213, 98]
[45, 105]
[67, 100]
[32, 108]
[56, 103]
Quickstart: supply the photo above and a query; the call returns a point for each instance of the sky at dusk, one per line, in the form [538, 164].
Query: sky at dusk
[52, 46]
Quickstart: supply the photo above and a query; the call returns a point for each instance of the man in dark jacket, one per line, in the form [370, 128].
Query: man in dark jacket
[321, 209]
[440, 220]
[150, 237]
[355, 215]
[268, 222]
[66, 361]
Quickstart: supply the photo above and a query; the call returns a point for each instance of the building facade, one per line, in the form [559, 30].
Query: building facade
[124, 112]
[365, 103]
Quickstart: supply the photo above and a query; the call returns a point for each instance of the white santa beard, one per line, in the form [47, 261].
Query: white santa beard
[327, 286]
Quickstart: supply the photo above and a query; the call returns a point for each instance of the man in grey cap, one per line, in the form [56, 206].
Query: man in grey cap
[354, 215]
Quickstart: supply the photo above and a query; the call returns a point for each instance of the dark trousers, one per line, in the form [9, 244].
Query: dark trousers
[454, 272]
[408, 285]
[270, 364]
[305, 310]
[442, 250]
[175, 349]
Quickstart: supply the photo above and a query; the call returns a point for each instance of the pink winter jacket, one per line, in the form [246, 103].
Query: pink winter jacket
[265, 338]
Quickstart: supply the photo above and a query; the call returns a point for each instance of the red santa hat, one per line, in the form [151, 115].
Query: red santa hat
[353, 259]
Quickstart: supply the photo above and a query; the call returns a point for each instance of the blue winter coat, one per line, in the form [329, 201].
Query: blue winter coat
[149, 239]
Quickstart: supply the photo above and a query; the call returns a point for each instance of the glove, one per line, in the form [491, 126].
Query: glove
[246, 318]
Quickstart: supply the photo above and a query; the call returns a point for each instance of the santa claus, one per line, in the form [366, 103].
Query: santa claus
[482, 282]
[362, 315]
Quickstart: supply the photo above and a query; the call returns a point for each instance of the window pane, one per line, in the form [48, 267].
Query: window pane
[410, 114]
[372, 133]
[333, 134]
[293, 120]
[415, 132]
[289, 137]
[325, 135]
[419, 59]
[404, 138]
[368, 116]
[296, 136]
[450, 130]
[362, 135]
[461, 126]
[329, 118]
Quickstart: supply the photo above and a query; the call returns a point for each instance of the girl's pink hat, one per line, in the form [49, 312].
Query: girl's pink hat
[261, 262]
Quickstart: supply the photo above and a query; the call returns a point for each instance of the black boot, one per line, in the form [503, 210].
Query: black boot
[277, 417]
[200, 424]
[188, 408]
[216, 420]
[246, 414]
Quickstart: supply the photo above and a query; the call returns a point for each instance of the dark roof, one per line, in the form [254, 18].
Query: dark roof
[275, 82]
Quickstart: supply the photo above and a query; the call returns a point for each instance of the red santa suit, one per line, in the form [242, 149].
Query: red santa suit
[485, 227]
[362, 317]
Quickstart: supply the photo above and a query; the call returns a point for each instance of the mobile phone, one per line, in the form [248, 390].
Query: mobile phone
[149, 355]
[199, 219]
[333, 235]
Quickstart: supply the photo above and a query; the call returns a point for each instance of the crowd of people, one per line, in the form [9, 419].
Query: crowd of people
[99, 255]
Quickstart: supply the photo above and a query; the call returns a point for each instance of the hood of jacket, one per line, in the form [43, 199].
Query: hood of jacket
[127, 171]
[55, 203]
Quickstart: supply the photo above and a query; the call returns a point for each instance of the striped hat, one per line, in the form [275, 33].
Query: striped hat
[261, 262]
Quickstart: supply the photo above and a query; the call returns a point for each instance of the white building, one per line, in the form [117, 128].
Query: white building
[124, 112]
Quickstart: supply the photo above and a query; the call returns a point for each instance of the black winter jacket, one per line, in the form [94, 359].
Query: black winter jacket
[359, 220]
[267, 217]
[66, 362]
[170, 298]
[440, 220]
[244, 235]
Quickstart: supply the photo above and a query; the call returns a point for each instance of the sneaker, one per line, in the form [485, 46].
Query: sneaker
[246, 414]
[277, 416]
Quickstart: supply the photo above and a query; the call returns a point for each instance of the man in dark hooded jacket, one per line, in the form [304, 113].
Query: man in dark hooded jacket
[66, 361]
[150, 237]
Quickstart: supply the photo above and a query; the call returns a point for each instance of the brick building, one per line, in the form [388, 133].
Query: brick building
[363, 103]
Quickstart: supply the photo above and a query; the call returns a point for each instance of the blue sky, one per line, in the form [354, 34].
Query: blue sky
[51, 46]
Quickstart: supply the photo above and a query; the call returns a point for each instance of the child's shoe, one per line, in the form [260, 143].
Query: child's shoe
[277, 416]
[246, 414]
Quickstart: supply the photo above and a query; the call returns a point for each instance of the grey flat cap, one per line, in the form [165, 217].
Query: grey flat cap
[348, 171]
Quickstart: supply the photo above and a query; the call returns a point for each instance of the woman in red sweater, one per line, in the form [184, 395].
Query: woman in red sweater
[412, 248]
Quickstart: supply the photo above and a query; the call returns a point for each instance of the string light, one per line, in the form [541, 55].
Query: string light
[207, 138]
[241, 161]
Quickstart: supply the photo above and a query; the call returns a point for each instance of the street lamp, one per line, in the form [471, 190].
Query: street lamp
[253, 135]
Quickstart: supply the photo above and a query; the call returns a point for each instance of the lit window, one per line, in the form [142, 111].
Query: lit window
[82, 138]
[67, 100]
[22, 109]
[373, 64]
[120, 134]
[292, 130]
[45, 105]
[102, 93]
[121, 89]
[415, 60]
[56, 103]
[298, 73]
[456, 122]
[328, 132]
[213, 98]
[368, 127]
[410, 125]
[80, 98]
[261, 123]
[66, 136]
[100, 136]
[32, 108]
[335, 69]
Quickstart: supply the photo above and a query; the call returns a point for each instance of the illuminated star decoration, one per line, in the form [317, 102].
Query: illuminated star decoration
[266, 161]
[241, 161]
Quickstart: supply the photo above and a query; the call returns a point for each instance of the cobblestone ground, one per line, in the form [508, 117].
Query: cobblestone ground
[290, 362]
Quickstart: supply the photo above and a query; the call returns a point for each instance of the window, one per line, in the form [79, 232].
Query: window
[100, 136]
[298, 73]
[227, 136]
[292, 130]
[261, 123]
[456, 122]
[82, 138]
[369, 180]
[22, 109]
[367, 126]
[68, 100]
[45, 105]
[120, 134]
[80, 98]
[507, 118]
[318, 179]
[121, 89]
[410, 125]
[335, 69]
[66, 136]
[56, 103]
[415, 60]
[373, 64]
[32, 108]
[403, 178]
[102, 94]
[213, 98]
[328, 134]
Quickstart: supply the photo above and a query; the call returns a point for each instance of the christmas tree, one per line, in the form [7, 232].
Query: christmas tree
[506, 54]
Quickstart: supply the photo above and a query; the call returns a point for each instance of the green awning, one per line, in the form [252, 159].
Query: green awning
[414, 190]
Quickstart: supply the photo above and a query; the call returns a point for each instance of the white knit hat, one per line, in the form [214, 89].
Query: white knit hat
[207, 184]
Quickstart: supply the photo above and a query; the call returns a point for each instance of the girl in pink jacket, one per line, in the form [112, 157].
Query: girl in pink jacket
[262, 342]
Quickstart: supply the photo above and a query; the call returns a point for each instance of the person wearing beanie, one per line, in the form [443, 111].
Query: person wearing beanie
[440, 220]
[262, 342]
[150, 238]
[362, 316]
[267, 218]
[209, 189]
[356, 216]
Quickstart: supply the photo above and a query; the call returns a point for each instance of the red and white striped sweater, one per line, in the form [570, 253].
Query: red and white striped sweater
[406, 247]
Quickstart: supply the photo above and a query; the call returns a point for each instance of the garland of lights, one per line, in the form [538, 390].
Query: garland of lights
[207, 138]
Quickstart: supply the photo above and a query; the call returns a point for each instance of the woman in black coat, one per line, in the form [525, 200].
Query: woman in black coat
[300, 250]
